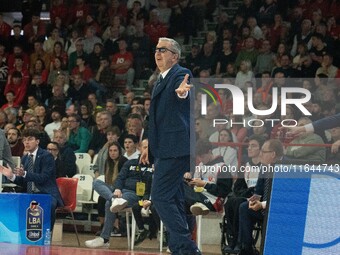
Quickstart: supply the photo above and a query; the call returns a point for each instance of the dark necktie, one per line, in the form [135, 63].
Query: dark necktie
[159, 80]
[266, 189]
[30, 170]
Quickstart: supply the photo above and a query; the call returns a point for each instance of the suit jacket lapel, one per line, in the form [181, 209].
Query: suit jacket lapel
[162, 85]
[37, 160]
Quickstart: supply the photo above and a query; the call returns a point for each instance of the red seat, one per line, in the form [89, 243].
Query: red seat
[68, 191]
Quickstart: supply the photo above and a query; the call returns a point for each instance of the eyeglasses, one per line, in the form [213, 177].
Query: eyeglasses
[163, 50]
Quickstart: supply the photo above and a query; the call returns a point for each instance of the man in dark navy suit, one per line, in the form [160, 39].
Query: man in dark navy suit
[169, 142]
[317, 126]
[42, 177]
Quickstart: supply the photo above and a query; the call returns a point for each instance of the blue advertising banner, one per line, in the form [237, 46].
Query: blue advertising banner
[24, 218]
[303, 215]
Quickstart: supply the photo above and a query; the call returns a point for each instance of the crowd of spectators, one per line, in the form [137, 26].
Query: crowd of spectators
[64, 76]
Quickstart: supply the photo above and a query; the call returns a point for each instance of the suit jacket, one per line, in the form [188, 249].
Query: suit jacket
[327, 123]
[5, 150]
[43, 175]
[170, 118]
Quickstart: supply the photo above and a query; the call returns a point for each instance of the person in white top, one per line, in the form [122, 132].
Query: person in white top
[56, 116]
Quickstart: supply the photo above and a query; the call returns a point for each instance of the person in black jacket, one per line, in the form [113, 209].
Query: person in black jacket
[132, 184]
[66, 154]
[243, 188]
[211, 184]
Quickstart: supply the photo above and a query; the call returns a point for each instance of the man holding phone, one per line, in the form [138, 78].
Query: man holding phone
[255, 208]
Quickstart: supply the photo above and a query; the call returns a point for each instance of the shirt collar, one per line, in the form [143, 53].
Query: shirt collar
[34, 153]
[165, 73]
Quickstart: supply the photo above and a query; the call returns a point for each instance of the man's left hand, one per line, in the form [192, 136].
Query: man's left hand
[184, 87]
[255, 205]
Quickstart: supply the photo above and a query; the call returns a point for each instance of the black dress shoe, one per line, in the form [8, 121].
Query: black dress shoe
[141, 235]
[237, 249]
[227, 249]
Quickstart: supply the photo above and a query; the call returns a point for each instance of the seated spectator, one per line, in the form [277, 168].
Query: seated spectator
[122, 64]
[112, 135]
[12, 115]
[318, 47]
[79, 52]
[26, 116]
[39, 88]
[103, 80]
[39, 53]
[207, 59]
[98, 139]
[243, 188]
[155, 28]
[17, 38]
[10, 97]
[79, 90]
[130, 147]
[49, 44]
[53, 148]
[66, 153]
[111, 43]
[82, 69]
[13, 136]
[255, 208]
[214, 185]
[57, 69]
[244, 75]
[227, 152]
[80, 137]
[18, 52]
[90, 39]
[58, 98]
[56, 115]
[284, 67]
[249, 53]
[95, 56]
[42, 115]
[18, 85]
[139, 43]
[191, 61]
[327, 67]
[58, 52]
[302, 52]
[112, 107]
[35, 30]
[86, 114]
[227, 56]
[121, 193]
[308, 153]
[265, 59]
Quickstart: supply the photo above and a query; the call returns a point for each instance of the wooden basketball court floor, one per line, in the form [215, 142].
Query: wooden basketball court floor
[68, 246]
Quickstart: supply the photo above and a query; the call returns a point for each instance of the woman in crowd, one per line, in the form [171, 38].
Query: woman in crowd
[113, 163]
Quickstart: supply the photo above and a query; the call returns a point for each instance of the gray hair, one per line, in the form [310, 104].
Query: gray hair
[11, 110]
[174, 45]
